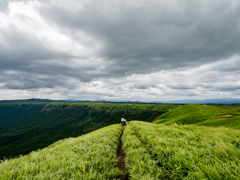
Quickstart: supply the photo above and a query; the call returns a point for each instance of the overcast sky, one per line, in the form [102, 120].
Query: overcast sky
[145, 50]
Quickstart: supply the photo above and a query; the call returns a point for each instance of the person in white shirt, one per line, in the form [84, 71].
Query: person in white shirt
[123, 121]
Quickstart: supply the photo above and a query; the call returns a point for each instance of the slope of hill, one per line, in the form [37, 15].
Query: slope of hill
[228, 101]
[91, 156]
[153, 151]
[157, 151]
[27, 126]
[228, 116]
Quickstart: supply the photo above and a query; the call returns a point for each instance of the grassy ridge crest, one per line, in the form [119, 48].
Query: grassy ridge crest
[227, 116]
[158, 151]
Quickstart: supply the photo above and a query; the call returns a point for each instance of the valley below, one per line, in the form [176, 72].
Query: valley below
[29, 126]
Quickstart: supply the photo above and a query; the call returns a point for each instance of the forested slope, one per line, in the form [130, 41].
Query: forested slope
[28, 126]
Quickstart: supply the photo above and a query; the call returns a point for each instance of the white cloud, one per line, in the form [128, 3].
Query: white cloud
[24, 17]
[119, 50]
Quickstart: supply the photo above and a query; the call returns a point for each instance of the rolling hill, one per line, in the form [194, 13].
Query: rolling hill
[32, 124]
[153, 151]
[227, 116]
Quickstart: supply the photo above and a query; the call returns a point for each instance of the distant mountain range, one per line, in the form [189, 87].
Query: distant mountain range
[206, 101]
[192, 101]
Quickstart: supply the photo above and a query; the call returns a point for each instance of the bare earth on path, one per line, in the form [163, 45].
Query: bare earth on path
[121, 159]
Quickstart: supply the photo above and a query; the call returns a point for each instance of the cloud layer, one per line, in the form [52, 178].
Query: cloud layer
[119, 50]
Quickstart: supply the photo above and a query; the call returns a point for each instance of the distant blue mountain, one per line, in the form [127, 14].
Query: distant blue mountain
[29, 100]
[192, 101]
[206, 101]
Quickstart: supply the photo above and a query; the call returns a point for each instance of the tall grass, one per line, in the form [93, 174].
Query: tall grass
[92, 156]
[152, 152]
[183, 152]
[139, 163]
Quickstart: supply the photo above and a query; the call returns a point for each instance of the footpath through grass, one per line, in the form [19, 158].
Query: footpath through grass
[181, 152]
[29, 126]
[91, 156]
[153, 151]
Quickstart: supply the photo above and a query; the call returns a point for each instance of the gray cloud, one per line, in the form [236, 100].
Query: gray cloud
[3, 6]
[181, 86]
[120, 49]
[229, 88]
[147, 36]
[22, 48]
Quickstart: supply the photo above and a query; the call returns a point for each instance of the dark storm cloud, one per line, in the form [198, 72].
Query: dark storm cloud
[128, 49]
[144, 36]
[30, 80]
[37, 74]
[229, 88]
[24, 55]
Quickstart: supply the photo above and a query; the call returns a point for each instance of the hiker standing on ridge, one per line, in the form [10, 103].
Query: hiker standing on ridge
[123, 121]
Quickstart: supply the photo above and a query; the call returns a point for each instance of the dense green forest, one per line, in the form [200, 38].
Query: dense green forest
[27, 126]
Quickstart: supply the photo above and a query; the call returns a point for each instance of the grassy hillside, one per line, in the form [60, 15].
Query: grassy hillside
[91, 156]
[157, 151]
[228, 116]
[28, 126]
[153, 151]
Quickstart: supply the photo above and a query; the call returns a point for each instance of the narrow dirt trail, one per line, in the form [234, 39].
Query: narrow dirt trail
[121, 159]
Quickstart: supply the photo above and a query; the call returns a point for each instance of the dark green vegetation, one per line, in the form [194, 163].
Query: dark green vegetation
[91, 156]
[157, 151]
[227, 116]
[28, 126]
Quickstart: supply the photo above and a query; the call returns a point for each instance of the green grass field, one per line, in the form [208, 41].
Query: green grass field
[181, 152]
[227, 116]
